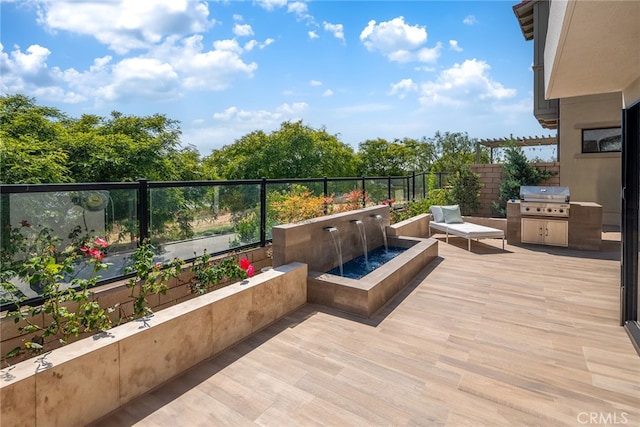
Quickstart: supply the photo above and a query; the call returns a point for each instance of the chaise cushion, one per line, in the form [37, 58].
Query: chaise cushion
[452, 214]
[436, 211]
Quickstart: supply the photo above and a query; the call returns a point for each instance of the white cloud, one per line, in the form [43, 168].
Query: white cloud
[126, 25]
[453, 45]
[140, 77]
[238, 115]
[271, 4]
[230, 45]
[469, 20]
[266, 43]
[327, 92]
[336, 29]
[295, 108]
[259, 119]
[399, 41]
[252, 44]
[300, 9]
[297, 7]
[403, 87]
[463, 84]
[33, 61]
[313, 35]
[315, 83]
[209, 70]
[159, 74]
[28, 72]
[242, 30]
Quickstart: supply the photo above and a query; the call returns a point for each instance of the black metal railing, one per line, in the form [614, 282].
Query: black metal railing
[181, 219]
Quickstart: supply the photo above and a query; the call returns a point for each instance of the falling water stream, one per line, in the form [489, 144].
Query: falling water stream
[380, 220]
[335, 235]
[363, 238]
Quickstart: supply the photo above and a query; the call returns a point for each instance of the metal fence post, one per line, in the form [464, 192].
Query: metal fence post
[325, 191]
[144, 215]
[413, 186]
[263, 212]
[364, 193]
[424, 185]
[389, 188]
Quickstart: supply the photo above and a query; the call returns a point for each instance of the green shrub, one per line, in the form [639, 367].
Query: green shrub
[465, 190]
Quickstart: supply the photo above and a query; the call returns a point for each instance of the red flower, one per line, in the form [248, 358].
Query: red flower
[101, 242]
[158, 265]
[85, 250]
[250, 271]
[245, 264]
[96, 253]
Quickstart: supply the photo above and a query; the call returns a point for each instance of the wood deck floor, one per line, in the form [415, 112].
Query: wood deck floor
[521, 337]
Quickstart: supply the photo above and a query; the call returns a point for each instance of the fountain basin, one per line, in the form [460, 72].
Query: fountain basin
[359, 267]
[365, 296]
[322, 243]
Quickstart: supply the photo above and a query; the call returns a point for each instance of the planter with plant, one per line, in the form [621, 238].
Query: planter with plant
[69, 308]
[209, 275]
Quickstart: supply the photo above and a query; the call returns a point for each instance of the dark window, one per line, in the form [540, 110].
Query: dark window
[603, 140]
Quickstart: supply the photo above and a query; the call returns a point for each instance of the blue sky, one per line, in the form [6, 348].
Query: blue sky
[360, 69]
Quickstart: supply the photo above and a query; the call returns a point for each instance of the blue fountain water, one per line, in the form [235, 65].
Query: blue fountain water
[358, 267]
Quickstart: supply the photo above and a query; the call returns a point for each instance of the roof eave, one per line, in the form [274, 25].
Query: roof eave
[524, 13]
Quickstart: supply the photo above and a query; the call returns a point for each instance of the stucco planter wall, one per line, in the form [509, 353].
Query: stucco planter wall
[85, 380]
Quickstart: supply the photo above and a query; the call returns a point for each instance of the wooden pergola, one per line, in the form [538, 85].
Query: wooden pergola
[527, 141]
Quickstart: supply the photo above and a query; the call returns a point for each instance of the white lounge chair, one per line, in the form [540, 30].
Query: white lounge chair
[448, 220]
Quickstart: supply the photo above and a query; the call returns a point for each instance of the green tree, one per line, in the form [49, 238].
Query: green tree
[30, 152]
[293, 151]
[43, 145]
[422, 154]
[123, 148]
[455, 150]
[379, 157]
[465, 190]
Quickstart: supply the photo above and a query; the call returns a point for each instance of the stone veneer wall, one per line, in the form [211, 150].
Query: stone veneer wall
[117, 292]
[84, 381]
[491, 176]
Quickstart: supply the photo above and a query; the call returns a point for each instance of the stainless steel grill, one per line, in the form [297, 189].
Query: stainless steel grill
[544, 201]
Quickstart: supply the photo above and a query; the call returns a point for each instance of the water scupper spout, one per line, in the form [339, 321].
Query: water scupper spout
[335, 235]
[380, 220]
[363, 238]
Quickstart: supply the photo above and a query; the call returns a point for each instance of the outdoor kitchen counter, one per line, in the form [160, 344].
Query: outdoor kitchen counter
[585, 224]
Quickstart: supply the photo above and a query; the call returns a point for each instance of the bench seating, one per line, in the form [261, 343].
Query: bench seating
[448, 220]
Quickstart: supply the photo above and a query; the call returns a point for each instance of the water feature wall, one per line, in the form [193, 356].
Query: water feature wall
[312, 242]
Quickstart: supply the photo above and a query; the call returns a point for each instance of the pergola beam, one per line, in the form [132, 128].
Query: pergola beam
[526, 141]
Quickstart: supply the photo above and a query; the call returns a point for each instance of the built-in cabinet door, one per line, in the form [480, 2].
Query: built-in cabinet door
[532, 230]
[556, 233]
[544, 231]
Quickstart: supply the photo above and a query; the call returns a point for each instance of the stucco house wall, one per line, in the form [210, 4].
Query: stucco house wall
[591, 177]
